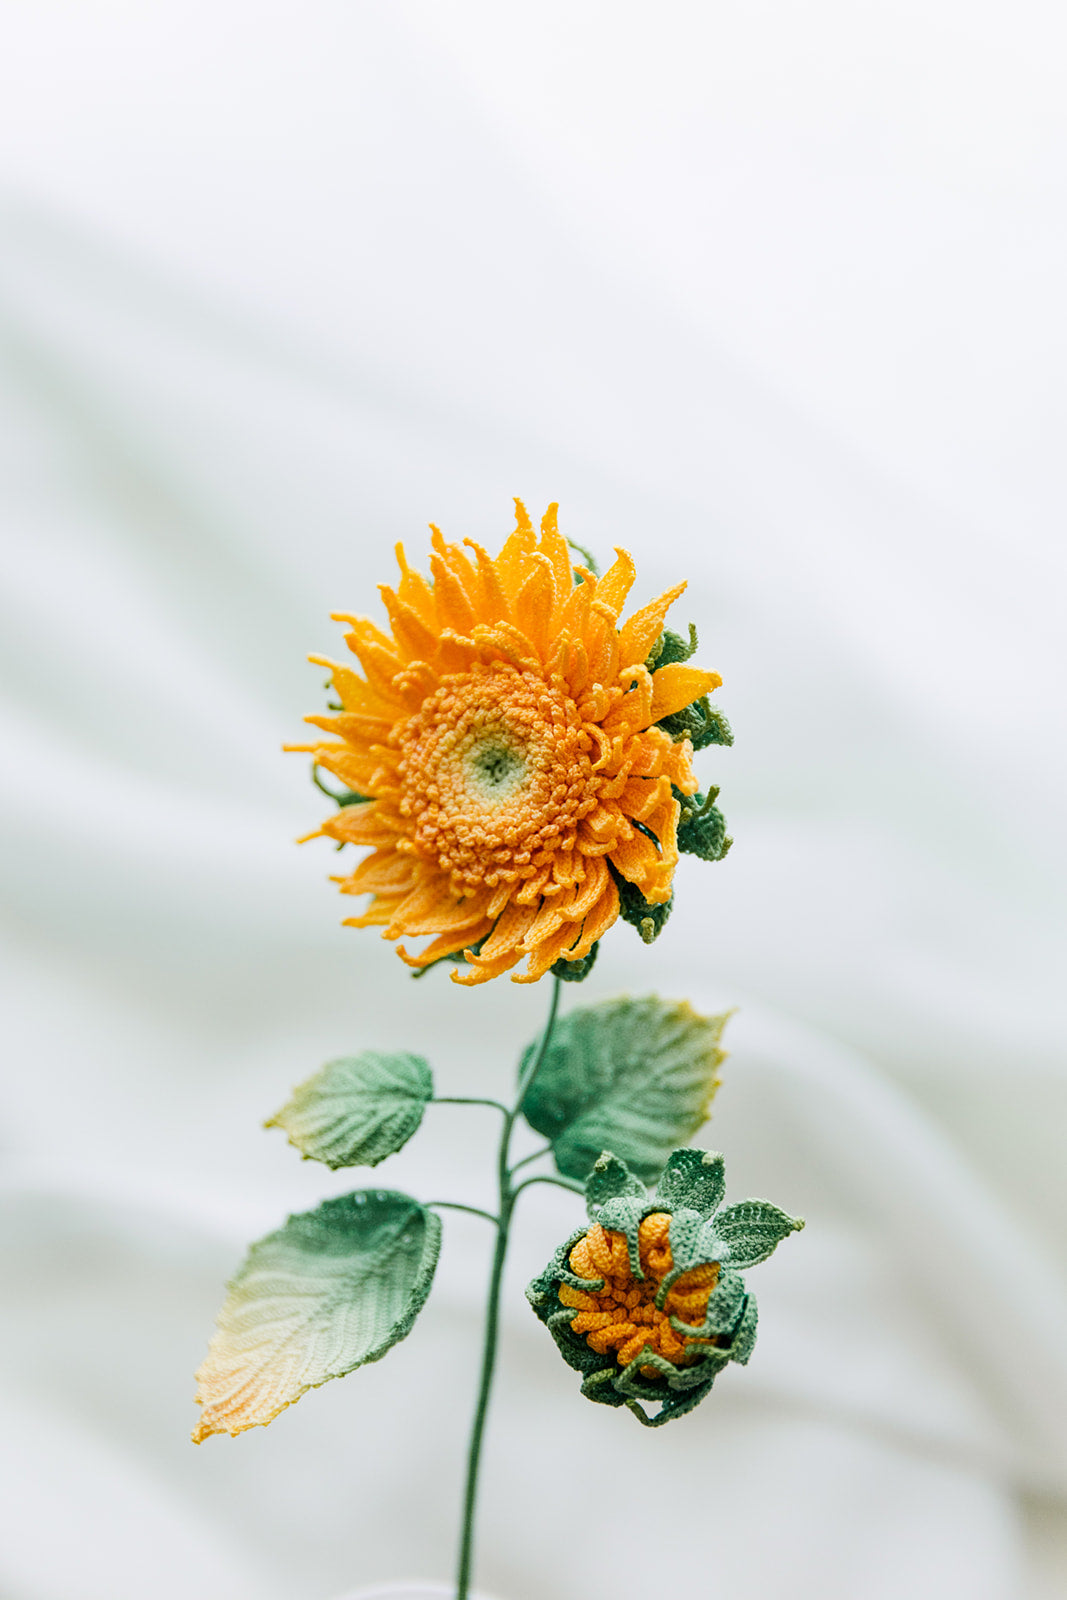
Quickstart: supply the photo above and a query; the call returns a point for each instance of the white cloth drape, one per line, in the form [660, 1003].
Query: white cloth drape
[773, 297]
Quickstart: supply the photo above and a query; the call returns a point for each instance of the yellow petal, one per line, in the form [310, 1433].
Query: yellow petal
[677, 685]
[617, 582]
[642, 630]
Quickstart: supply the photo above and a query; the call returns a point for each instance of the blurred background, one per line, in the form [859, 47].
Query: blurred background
[773, 296]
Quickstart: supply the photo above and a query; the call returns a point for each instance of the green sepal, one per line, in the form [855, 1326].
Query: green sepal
[673, 1405]
[346, 797]
[357, 1110]
[726, 1306]
[629, 1076]
[599, 1387]
[678, 1391]
[633, 1383]
[693, 1178]
[701, 723]
[611, 1179]
[619, 1201]
[457, 957]
[753, 1229]
[542, 1295]
[640, 913]
[588, 557]
[744, 1340]
[625, 1215]
[701, 826]
[575, 971]
[558, 1271]
[690, 1245]
[670, 647]
[329, 1291]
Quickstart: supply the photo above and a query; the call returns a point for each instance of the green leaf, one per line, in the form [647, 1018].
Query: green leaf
[332, 1289]
[634, 1077]
[753, 1229]
[359, 1109]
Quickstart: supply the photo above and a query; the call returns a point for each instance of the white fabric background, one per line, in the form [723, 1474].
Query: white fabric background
[772, 295]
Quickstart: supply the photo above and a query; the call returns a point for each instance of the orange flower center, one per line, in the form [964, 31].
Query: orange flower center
[495, 776]
[623, 1316]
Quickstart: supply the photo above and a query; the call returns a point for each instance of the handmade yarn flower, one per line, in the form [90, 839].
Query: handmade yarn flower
[517, 761]
[648, 1302]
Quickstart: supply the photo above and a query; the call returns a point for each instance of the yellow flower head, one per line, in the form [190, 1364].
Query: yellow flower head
[504, 739]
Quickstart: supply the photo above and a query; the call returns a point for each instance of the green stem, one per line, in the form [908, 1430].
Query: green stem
[467, 1100]
[508, 1197]
[475, 1211]
[535, 1155]
[547, 1177]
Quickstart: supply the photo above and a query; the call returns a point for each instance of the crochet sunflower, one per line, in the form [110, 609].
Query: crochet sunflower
[517, 760]
[648, 1302]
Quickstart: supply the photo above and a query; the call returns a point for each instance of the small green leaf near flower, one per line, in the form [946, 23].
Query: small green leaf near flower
[632, 1076]
[692, 1178]
[701, 723]
[331, 1290]
[611, 1179]
[702, 826]
[575, 971]
[359, 1109]
[671, 647]
[647, 917]
[753, 1229]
